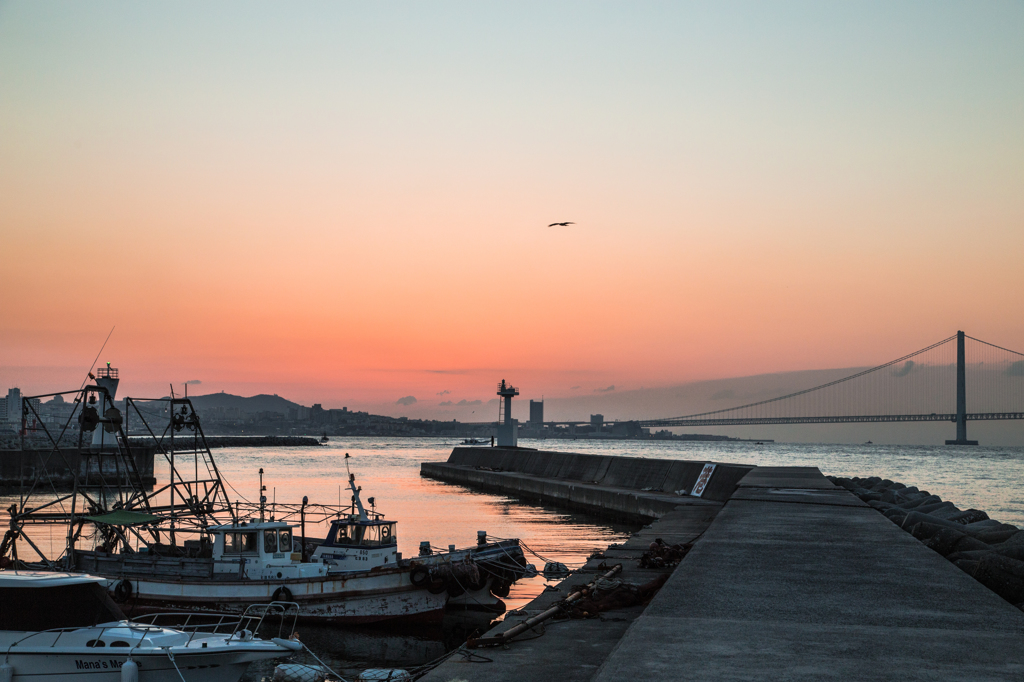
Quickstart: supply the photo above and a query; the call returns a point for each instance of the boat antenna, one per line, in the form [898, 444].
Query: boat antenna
[88, 372]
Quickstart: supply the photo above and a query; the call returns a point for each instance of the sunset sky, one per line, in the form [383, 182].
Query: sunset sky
[348, 203]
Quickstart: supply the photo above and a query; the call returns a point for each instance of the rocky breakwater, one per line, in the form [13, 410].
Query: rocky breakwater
[986, 549]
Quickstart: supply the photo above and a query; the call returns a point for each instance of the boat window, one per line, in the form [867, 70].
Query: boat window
[284, 542]
[382, 534]
[239, 543]
[95, 643]
[355, 535]
[270, 541]
[120, 642]
[65, 606]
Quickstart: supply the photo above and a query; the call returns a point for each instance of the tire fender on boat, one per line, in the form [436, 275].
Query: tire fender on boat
[282, 594]
[419, 575]
[123, 591]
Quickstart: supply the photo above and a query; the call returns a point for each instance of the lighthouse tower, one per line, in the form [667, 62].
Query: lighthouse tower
[507, 426]
[106, 438]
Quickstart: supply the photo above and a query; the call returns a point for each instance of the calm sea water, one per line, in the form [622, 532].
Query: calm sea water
[986, 478]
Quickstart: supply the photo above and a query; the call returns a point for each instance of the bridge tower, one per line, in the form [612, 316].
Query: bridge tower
[961, 394]
[507, 436]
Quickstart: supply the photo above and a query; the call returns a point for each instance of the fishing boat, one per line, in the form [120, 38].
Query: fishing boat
[63, 626]
[186, 546]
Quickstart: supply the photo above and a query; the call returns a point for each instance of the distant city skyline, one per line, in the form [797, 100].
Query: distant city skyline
[349, 204]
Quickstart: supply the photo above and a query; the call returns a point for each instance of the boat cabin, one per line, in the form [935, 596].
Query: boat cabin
[34, 601]
[356, 543]
[259, 550]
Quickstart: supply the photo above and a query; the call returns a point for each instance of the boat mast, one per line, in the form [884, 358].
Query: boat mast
[355, 490]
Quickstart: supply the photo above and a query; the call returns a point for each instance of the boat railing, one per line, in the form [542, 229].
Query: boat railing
[260, 612]
[240, 626]
[101, 630]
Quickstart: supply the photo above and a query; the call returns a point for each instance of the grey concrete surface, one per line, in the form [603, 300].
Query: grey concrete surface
[786, 477]
[818, 591]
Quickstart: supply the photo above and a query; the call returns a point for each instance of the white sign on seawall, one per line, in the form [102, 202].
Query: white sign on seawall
[702, 480]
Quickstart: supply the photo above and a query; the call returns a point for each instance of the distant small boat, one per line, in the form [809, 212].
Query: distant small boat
[324, 438]
[868, 443]
[474, 441]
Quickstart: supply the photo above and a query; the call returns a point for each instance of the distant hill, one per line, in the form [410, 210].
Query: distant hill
[256, 403]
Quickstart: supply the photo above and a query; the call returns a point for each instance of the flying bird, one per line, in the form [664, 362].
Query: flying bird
[560, 224]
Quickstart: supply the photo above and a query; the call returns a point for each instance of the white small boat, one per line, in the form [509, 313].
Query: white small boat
[62, 626]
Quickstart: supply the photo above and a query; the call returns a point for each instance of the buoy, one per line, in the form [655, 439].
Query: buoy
[297, 672]
[6, 672]
[130, 671]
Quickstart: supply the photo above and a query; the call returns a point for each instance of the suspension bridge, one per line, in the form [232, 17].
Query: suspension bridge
[937, 383]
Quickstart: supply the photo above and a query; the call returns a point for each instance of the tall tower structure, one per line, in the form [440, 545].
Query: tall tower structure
[507, 426]
[537, 412]
[961, 393]
[106, 377]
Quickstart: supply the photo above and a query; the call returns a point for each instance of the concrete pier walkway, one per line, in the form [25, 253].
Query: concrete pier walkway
[792, 579]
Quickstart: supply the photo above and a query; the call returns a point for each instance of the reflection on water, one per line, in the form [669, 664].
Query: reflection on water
[349, 651]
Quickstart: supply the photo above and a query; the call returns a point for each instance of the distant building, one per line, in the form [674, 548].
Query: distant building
[10, 410]
[317, 415]
[537, 412]
[596, 422]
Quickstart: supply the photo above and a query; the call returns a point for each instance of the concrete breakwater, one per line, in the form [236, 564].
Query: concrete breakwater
[620, 487]
[986, 549]
[787, 576]
[59, 468]
[261, 441]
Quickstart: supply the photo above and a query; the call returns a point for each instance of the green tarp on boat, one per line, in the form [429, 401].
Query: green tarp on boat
[123, 517]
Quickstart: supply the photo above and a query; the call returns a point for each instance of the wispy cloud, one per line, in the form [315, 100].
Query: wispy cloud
[465, 402]
[193, 382]
[445, 403]
[1016, 369]
[605, 390]
[443, 392]
[407, 400]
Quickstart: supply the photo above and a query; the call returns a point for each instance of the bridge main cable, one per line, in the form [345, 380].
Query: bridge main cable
[694, 419]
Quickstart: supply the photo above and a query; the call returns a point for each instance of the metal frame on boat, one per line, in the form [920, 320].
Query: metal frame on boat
[187, 546]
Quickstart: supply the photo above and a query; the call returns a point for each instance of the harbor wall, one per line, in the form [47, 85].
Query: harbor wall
[23, 467]
[621, 487]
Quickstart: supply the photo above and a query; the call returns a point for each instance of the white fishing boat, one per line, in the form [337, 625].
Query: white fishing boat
[61, 626]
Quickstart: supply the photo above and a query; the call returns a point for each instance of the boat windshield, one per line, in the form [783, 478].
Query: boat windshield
[372, 534]
[240, 543]
[33, 609]
[277, 541]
